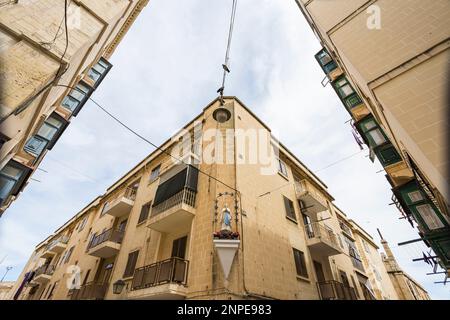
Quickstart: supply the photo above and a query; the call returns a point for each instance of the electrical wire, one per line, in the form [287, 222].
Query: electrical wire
[340, 160]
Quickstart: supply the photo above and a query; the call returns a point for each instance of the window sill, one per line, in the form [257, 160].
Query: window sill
[300, 278]
[283, 176]
[291, 220]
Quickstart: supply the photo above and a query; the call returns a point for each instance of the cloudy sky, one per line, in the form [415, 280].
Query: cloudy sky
[165, 71]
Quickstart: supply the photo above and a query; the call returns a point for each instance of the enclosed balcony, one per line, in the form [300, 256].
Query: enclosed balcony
[311, 197]
[56, 246]
[43, 274]
[106, 244]
[334, 290]
[90, 291]
[175, 211]
[122, 205]
[321, 240]
[174, 202]
[165, 279]
[328, 65]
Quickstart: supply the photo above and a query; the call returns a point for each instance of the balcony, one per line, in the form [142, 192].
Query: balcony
[399, 173]
[328, 65]
[90, 291]
[43, 274]
[346, 229]
[310, 196]
[359, 111]
[176, 211]
[56, 246]
[122, 205]
[334, 290]
[106, 244]
[161, 280]
[322, 240]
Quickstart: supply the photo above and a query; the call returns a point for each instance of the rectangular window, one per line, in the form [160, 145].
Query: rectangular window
[344, 88]
[179, 247]
[282, 168]
[366, 246]
[415, 196]
[290, 211]
[325, 61]
[300, 263]
[372, 132]
[145, 210]
[99, 71]
[388, 155]
[46, 135]
[155, 173]
[82, 224]
[69, 253]
[131, 264]
[12, 177]
[429, 217]
[76, 98]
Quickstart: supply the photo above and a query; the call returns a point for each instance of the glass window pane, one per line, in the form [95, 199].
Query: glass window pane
[77, 95]
[54, 122]
[47, 131]
[345, 90]
[369, 125]
[341, 82]
[6, 185]
[377, 136]
[36, 145]
[415, 196]
[429, 217]
[11, 171]
[94, 75]
[353, 101]
[70, 103]
[99, 68]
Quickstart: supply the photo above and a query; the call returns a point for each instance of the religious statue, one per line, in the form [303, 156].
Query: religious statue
[226, 219]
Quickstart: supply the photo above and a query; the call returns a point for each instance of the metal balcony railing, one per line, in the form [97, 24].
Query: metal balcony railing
[317, 231]
[90, 291]
[185, 196]
[129, 193]
[334, 290]
[53, 243]
[45, 269]
[173, 270]
[108, 235]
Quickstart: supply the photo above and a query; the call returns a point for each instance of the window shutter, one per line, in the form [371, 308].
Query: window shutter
[289, 206]
[131, 264]
[429, 217]
[144, 212]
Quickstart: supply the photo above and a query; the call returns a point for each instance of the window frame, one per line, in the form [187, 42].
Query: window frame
[19, 183]
[47, 143]
[148, 207]
[282, 165]
[101, 75]
[156, 169]
[301, 268]
[130, 266]
[81, 102]
[289, 209]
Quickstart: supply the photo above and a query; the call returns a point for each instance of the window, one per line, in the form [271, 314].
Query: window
[179, 247]
[344, 88]
[82, 224]
[282, 168]
[46, 135]
[308, 226]
[50, 294]
[388, 155]
[290, 211]
[155, 173]
[105, 206]
[325, 61]
[300, 264]
[366, 246]
[68, 254]
[415, 196]
[75, 100]
[372, 132]
[145, 210]
[99, 71]
[12, 177]
[131, 264]
[429, 217]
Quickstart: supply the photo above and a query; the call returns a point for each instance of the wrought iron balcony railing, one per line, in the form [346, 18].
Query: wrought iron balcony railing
[185, 196]
[108, 235]
[334, 290]
[90, 291]
[45, 269]
[173, 270]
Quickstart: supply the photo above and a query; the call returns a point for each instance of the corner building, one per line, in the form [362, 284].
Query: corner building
[154, 233]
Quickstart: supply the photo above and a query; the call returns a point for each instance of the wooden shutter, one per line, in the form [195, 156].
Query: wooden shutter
[131, 264]
[144, 212]
[179, 247]
[290, 211]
